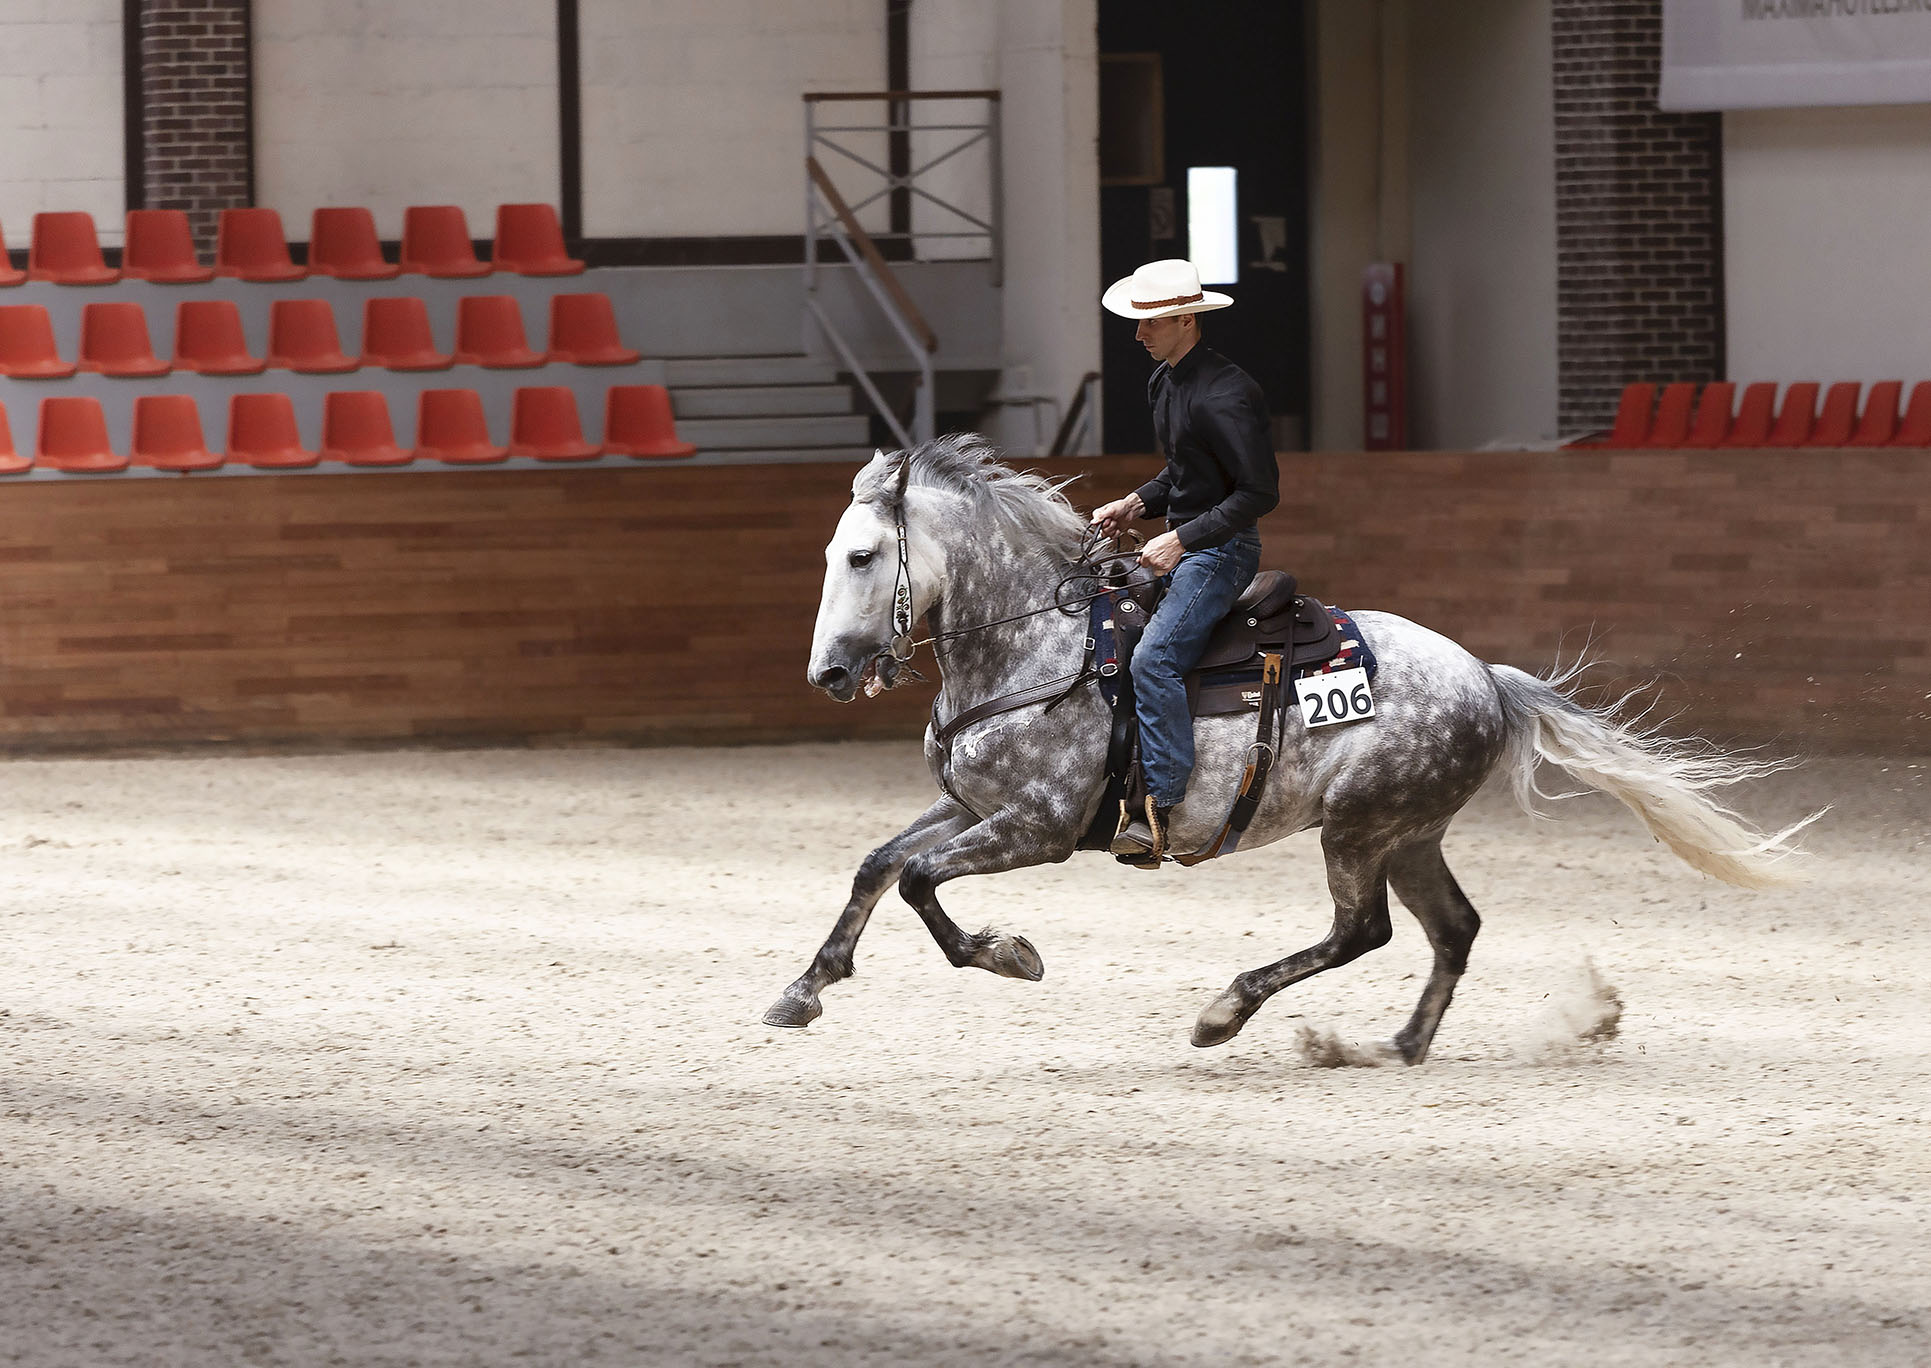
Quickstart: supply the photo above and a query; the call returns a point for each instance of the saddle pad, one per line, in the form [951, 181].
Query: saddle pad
[1354, 651]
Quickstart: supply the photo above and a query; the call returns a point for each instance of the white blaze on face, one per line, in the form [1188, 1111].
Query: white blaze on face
[856, 604]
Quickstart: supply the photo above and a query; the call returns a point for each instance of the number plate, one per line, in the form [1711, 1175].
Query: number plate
[1342, 696]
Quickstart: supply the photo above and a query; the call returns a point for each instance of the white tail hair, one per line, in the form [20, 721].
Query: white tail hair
[1663, 780]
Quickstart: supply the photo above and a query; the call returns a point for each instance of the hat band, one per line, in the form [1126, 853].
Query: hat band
[1194, 298]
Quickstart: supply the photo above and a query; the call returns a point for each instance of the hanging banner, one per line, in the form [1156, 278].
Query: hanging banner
[1759, 54]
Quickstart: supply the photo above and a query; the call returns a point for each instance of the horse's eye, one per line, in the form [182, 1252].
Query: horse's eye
[858, 560]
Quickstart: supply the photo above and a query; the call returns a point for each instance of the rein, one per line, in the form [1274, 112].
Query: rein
[1091, 565]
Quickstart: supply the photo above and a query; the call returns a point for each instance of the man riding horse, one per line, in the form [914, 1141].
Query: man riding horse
[1210, 419]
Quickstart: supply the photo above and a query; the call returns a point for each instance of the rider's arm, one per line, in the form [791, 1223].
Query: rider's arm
[1233, 418]
[1155, 493]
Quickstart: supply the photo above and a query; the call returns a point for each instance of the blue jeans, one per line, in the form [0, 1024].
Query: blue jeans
[1200, 590]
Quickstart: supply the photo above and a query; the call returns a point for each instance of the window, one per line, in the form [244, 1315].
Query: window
[1213, 239]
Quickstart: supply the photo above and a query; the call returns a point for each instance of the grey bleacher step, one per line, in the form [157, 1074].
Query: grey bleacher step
[726, 434]
[750, 401]
[707, 371]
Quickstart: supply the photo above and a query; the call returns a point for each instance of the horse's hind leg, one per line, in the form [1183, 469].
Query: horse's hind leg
[798, 1006]
[1357, 879]
[1421, 880]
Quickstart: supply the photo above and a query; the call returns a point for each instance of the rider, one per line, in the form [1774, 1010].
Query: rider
[1210, 419]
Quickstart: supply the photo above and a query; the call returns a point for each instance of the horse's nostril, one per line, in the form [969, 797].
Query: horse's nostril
[831, 677]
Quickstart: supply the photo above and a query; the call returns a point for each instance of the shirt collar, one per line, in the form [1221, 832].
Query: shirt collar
[1186, 365]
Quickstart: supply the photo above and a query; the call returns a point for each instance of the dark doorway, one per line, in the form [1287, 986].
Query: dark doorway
[1230, 83]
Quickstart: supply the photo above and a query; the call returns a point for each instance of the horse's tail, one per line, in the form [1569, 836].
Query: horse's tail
[1664, 781]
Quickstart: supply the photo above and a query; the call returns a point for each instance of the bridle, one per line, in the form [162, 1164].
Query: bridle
[1109, 569]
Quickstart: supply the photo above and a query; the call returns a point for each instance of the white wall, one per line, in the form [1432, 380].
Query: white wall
[60, 114]
[1482, 272]
[1825, 271]
[692, 122]
[954, 45]
[389, 103]
[1049, 72]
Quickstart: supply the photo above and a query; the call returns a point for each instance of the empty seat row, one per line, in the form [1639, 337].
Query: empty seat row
[356, 430]
[250, 245]
[1680, 417]
[302, 337]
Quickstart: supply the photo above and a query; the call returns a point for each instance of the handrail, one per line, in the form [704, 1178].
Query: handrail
[822, 96]
[1076, 421]
[869, 250]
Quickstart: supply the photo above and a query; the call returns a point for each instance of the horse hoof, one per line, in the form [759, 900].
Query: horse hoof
[1219, 1023]
[1012, 957]
[793, 1011]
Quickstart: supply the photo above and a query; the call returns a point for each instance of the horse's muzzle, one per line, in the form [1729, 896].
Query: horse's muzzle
[835, 680]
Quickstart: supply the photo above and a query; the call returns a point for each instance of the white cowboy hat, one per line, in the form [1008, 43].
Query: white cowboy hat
[1160, 289]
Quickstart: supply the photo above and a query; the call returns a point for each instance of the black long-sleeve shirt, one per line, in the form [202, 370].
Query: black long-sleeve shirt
[1211, 421]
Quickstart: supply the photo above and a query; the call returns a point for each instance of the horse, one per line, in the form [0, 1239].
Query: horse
[982, 553]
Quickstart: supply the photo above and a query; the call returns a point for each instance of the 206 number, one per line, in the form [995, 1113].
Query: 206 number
[1343, 696]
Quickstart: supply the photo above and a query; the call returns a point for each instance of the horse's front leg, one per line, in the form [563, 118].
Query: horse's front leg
[799, 1004]
[1009, 839]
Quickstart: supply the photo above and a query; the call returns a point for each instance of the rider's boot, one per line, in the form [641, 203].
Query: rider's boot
[1142, 842]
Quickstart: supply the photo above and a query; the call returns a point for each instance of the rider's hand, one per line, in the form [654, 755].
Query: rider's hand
[1112, 518]
[1162, 553]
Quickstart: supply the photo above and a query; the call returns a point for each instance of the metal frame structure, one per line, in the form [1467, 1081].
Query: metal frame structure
[827, 214]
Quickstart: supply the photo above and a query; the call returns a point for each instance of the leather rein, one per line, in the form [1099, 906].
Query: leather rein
[1091, 565]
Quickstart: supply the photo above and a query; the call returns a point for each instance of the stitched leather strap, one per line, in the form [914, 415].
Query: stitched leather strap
[1054, 689]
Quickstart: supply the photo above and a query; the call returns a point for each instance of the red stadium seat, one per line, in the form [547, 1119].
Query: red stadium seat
[167, 434]
[1794, 418]
[1879, 423]
[262, 433]
[529, 241]
[1838, 419]
[114, 340]
[1712, 423]
[250, 245]
[489, 332]
[545, 425]
[1671, 427]
[1914, 428]
[27, 349]
[637, 422]
[343, 243]
[65, 251]
[73, 436]
[302, 337]
[450, 428]
[583, 329]
[160, 247]
[10, 274]
[436, 242]
[396, 336]
[1752, 425]
[356, 430]
[208, 339]
[11, 461]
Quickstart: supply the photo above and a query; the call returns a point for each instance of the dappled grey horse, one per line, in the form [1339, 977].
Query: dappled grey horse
[983, 552]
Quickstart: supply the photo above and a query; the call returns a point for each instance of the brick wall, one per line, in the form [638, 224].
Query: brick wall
[1639, 229]
[195, 94]
[1779, 596]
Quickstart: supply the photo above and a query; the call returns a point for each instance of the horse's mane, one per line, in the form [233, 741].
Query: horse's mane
[1025, 505]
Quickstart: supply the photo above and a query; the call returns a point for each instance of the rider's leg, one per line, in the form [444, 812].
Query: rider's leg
[1205, 585]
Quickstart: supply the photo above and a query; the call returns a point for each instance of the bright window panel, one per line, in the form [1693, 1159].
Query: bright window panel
[1213, 237]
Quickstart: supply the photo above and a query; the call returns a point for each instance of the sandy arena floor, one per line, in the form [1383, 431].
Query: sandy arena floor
[456, 1059]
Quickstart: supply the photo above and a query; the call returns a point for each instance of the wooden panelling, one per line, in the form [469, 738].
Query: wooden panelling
[1781, 596]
